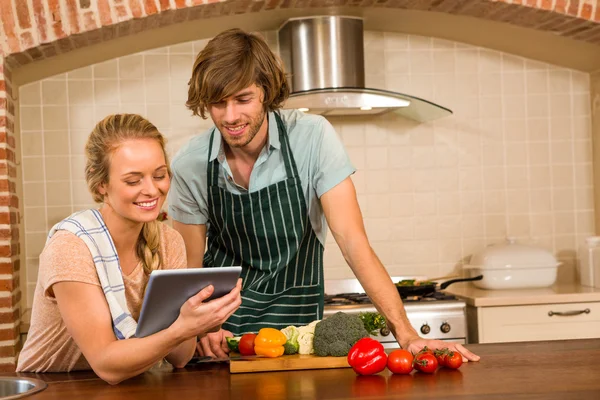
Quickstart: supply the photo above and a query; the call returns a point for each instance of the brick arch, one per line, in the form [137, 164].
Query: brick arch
[53, 26]
[37, 29]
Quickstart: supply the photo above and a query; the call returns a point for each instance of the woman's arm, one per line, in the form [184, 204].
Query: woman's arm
[87, 318]
[182, 354]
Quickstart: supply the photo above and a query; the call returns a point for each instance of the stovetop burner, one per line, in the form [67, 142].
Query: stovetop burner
[346, 298]
[362, 298]
[435, 296]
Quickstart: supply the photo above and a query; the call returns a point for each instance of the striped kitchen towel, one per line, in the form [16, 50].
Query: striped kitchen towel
[89, 226]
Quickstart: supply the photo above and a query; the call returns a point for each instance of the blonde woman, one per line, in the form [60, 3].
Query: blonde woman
[95, 265]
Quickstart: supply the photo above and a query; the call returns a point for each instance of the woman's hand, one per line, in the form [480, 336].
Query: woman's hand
[197, 318]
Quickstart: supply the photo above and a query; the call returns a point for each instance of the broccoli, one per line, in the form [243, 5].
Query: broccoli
[335, 335]
[291, 348]
[292, 345]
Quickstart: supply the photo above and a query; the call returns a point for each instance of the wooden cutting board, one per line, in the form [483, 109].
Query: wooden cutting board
[241, 364]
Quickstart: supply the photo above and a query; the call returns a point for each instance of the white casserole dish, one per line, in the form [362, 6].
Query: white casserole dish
[513, 266]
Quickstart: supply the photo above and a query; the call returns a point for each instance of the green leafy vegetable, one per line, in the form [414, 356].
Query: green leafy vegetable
[372, 321]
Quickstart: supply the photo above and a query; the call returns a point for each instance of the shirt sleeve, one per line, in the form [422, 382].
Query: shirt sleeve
[187, 201]
[333, 164]
[66, 258]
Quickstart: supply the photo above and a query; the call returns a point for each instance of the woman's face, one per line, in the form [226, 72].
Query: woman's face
[138, 180]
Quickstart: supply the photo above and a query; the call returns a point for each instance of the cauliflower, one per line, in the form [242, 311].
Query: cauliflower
[306, 335]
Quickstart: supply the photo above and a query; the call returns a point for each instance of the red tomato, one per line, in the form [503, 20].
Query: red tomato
[400, 362]
[453, 360]
[426, 362]
[247, 344]
[425, 350]
[441, 356]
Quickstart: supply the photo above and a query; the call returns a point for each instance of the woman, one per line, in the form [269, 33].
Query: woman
[95, 266]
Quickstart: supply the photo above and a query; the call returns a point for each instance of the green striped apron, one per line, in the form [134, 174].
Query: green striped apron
[268, 233]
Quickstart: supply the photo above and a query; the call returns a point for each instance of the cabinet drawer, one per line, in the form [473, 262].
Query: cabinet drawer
[535, 322]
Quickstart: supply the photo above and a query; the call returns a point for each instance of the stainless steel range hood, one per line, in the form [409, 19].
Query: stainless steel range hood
[325, 59]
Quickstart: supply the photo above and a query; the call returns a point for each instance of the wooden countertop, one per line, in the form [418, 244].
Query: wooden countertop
[558, 293]
[529, 370]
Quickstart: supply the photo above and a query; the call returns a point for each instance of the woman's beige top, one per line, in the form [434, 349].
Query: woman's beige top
[49, 346]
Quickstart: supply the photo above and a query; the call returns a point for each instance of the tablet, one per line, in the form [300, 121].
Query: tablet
[169, 289]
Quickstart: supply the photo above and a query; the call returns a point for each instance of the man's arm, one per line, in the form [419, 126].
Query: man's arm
[194, 237]
[346, 224]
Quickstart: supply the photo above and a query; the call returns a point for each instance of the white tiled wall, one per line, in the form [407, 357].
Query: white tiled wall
[514, 159]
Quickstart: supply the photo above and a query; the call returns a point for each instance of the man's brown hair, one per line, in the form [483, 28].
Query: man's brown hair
[230, 62]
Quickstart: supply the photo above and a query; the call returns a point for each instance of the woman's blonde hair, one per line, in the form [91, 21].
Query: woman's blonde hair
[106, 137]
[230, 62]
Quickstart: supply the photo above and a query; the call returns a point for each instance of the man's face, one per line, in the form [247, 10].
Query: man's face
[240, 117]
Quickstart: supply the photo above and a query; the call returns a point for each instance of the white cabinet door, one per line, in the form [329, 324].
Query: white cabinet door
[535, 322]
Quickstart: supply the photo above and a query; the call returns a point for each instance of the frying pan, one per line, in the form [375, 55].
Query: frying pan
[430, 288]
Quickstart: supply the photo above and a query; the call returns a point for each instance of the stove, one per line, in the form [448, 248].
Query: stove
[438, 316]
[343, 299]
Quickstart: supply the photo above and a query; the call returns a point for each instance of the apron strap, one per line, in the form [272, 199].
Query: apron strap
[288, 159]
[213, 167]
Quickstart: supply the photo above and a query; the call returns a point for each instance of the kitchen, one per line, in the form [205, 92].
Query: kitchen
[514, 159]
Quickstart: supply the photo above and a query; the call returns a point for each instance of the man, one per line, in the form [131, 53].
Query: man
[262, 187]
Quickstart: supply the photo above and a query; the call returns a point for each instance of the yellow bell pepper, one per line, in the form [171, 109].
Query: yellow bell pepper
[269, 342]
[269, 351]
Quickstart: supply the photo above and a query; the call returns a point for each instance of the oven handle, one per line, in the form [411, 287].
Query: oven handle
[568, 313]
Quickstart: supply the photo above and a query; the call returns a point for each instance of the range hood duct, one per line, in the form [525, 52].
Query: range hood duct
[325, 59]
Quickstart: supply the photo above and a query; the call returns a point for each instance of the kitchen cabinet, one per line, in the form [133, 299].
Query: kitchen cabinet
[533, 322]
[555, 313]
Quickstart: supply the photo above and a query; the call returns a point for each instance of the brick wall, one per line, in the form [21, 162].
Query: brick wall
[10, 295]
[37, 29]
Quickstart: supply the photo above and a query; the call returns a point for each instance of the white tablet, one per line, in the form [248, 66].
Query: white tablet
[169, 289]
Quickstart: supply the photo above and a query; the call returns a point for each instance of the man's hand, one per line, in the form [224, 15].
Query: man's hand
[214, 345]
[415, 345]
